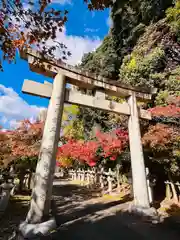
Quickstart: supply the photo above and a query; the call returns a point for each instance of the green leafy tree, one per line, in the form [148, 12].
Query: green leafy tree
[72, 126]
[141, 63]
[173, 19]
[104, 61]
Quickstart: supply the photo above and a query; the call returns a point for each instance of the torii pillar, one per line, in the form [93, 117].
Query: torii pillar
[42, 191]
[140, 189]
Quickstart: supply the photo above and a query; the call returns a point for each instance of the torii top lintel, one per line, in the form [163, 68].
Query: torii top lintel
[49, 67]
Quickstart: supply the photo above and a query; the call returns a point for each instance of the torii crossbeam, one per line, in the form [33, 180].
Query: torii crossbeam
[58, 95]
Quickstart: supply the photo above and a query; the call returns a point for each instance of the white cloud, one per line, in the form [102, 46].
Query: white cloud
[14, 124]
[109, 20]
[77, 45]
[3, 120]
[62, 2]
[13, 108]
[91, 29]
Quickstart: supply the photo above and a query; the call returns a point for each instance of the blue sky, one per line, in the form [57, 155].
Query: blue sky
[83, 33]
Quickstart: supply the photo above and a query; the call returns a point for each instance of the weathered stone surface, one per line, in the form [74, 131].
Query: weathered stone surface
[30, 231]
[74, 97]
[140, 188]
[44, 175]
[50, 67]
[149, 213]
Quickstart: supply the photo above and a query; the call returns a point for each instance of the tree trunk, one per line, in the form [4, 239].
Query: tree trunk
[42, 191]
[29, 181]
[178, 191]
[175, 196]
[21, 182]
[168, 192]
[118, 176]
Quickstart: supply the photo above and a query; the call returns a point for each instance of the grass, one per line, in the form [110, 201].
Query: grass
[113, 197]
[21, 198]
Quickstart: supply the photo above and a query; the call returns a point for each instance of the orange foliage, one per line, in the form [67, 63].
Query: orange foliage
[23, 141]
[167, 111]
[5, 149]
[111, 144]
[160, 137]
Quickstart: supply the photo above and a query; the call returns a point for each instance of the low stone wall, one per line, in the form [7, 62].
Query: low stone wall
[107, 180]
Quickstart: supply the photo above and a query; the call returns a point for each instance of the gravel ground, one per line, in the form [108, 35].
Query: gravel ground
[81, 215]
[14, 214]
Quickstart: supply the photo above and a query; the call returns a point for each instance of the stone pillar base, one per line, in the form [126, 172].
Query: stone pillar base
[34, 231]
[149, 213]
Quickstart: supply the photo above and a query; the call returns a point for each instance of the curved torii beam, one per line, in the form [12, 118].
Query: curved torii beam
[58, 94]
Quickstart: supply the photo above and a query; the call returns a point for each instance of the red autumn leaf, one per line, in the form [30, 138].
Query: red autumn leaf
[111, 144]
[23, 141]
[166, 111]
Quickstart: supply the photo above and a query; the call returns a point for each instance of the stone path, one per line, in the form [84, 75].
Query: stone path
[82, 217]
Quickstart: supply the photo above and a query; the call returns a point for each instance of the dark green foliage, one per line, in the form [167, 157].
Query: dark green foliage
[25, 165]
[138, 69]
[155, 60]
[173, 18]
[143, 49]
[130, 21]
[104, 60]
[93, 119]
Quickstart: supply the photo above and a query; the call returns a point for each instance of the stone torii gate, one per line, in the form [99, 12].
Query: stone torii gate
[58, 95]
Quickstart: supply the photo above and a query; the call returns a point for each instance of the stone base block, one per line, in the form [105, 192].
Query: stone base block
[149, 213]
[32, 231]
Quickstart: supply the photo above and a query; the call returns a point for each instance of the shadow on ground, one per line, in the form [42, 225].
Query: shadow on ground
[72, 201]
[120, 225]
[68, 189]
[14, 214]
[81, 218]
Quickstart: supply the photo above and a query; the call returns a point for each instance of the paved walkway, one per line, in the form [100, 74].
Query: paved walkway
[82, 217]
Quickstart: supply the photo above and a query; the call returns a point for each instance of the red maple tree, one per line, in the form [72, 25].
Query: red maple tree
[21, 142]
[159, 137]
[25, 140]
[166, 111]
[110, 146]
